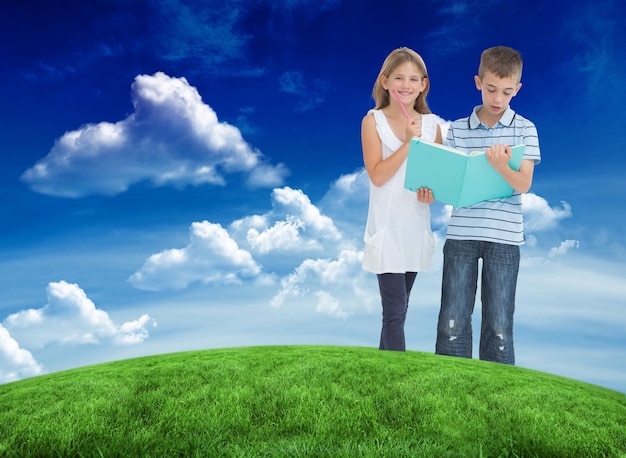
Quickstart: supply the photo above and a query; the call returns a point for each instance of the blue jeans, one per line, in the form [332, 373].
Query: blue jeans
[394, 294]
[500, 266]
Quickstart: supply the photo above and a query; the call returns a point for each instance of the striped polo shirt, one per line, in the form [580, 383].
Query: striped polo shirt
[497, 220]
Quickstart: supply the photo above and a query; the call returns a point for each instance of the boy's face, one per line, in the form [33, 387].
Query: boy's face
[496, 94]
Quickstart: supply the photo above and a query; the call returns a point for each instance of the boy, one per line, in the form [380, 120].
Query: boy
[491, 230]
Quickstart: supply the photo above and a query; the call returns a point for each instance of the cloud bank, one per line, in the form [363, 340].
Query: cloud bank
[293, 229]
[302, 257]
[212, 256]
[312, 256]
[171, 139]
[69, 318]
[15, 362]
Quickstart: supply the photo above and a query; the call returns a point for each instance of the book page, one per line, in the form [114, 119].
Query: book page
[483, 182]
[433, 166]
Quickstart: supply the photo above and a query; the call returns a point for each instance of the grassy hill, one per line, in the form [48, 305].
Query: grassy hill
[309, 401]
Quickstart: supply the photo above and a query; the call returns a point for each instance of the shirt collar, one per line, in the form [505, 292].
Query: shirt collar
[505, 120]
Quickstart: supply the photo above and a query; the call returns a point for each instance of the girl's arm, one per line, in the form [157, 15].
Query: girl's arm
[438, 136]
[380, 171]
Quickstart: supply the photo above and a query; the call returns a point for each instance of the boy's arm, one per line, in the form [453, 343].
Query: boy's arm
[499, 155]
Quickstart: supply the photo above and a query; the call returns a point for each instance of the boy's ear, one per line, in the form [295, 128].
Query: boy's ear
[519, 86]
[478, 82]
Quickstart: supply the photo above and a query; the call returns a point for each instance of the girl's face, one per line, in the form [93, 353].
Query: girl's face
[407, 81]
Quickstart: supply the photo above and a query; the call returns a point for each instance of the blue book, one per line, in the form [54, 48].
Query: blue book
[455, 177]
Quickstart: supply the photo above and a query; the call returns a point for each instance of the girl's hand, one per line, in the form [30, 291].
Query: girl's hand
[413, 129]
[425, 196]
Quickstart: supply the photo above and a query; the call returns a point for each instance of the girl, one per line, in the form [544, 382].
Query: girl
[398, 239]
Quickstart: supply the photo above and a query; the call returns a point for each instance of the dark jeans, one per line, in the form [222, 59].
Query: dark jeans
[394, 294]
[458, 293]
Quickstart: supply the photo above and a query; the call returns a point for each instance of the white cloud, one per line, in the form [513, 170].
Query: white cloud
[299, 203]
[212, 256]
[442, 217]
[15, 362]
[266, 175]
[293, 225]
[328, 305]
[283, 235]
[172, 138]
[539, 216]
[134, 332]
[71, 318]
[293, 228]
[340, 286]
[351, 184]
[346, 202]
[563, 248]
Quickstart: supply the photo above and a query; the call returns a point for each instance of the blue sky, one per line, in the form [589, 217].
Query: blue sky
[188, 175]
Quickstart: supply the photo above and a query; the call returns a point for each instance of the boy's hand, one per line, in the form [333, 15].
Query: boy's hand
[498, 156]
[425, 196]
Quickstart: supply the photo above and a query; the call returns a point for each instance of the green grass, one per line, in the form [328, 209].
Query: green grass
[309, 401]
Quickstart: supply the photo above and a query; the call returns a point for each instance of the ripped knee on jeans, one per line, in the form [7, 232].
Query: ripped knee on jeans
[449, 331]
[501, 344]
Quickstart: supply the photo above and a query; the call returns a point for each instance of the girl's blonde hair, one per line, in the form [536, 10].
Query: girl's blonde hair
[393, 60]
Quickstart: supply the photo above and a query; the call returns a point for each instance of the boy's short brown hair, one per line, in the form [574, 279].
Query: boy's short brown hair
[502, 61]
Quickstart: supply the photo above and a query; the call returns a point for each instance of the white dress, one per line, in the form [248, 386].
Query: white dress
[398, 236]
